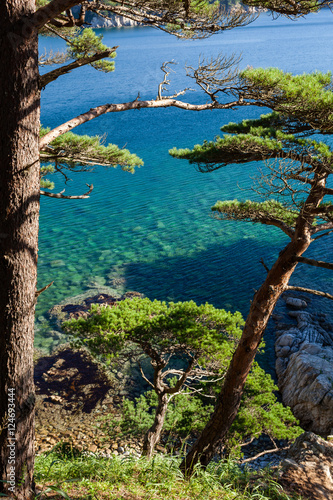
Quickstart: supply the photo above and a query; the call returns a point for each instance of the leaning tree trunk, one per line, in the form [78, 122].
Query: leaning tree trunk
[19, 212]
[261, 309]
[153, 435]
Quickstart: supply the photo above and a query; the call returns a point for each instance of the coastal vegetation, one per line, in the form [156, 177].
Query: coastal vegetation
[67, 476]
[295, 187]
[189, 348]
[20, 23]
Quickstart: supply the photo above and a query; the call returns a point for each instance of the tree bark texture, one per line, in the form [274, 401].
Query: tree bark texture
[153, 435]
[261, 309]
[19, 213]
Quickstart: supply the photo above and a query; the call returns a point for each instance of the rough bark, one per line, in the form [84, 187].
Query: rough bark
[153, 435]
[261, 309]
[19, 211]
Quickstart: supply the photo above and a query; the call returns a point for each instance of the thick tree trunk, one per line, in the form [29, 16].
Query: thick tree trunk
[153, 435]
[261, 309]
[19, 212]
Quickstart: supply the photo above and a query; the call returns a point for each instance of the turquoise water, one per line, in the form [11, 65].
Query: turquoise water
[152, 231]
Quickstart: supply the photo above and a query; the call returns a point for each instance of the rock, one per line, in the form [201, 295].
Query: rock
[286, 340]
[308, 469]
[306, 382]
[297, 303]
[121, 449]
[304, 367]
[311, 348]
[92, 448]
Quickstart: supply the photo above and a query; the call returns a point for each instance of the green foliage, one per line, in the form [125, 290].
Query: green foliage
[167, 328]
[286, 8]
[72, 149]
[259, 413]
[255, 212]
[158, 478]
[41, 3]
[186, 414]
[46, 183]
[306, 97]
[87, 44]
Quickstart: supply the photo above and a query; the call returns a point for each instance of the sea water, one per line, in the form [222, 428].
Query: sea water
[153, 232]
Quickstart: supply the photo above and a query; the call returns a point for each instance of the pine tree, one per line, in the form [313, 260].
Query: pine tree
[201, 338]
[20, 147]
[295, 185]
[20, 86]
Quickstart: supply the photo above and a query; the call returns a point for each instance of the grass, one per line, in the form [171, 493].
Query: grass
[127, 478]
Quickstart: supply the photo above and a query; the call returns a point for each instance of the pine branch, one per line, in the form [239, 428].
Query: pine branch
[65, 197]
[309, 290]
[177, 18]
[322, 227]
[127, 106]
[53, 75]
[271, 213]
[313, 262]
[73, 150]
[290, 8]
[144, 376]
[51, 10]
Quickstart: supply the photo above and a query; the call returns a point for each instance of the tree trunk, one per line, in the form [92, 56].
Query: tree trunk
[153, 436]
[261, 309]
[19, 212]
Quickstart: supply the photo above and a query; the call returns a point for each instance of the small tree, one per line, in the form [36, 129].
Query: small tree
[295, 185]
[201, 337]
[189, 411]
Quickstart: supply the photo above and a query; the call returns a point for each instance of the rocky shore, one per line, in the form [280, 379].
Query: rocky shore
[304, 366]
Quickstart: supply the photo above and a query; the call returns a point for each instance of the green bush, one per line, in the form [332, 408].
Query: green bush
[187, 414]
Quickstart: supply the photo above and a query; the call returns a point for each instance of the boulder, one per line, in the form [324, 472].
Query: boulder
[308, 468]
[304, 368]
[296, 303]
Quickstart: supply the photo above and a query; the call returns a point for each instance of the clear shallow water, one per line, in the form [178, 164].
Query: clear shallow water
[153, 230]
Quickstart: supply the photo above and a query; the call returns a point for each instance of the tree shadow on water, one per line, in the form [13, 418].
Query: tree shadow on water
[223, 276]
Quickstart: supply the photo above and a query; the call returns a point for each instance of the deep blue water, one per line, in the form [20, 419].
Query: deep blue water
[152, 231]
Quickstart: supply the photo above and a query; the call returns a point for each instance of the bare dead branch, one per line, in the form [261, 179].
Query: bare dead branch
[263, 263]
[51, 57]
[273, 450]
[313, 262]
[309, 290]
[220, 74]
[322, 235]
[162, 86]
[65, 197]
[43, 289]
[144, 376]
[53, 75]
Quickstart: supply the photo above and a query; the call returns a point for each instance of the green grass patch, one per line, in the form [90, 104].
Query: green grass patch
[90, 477]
